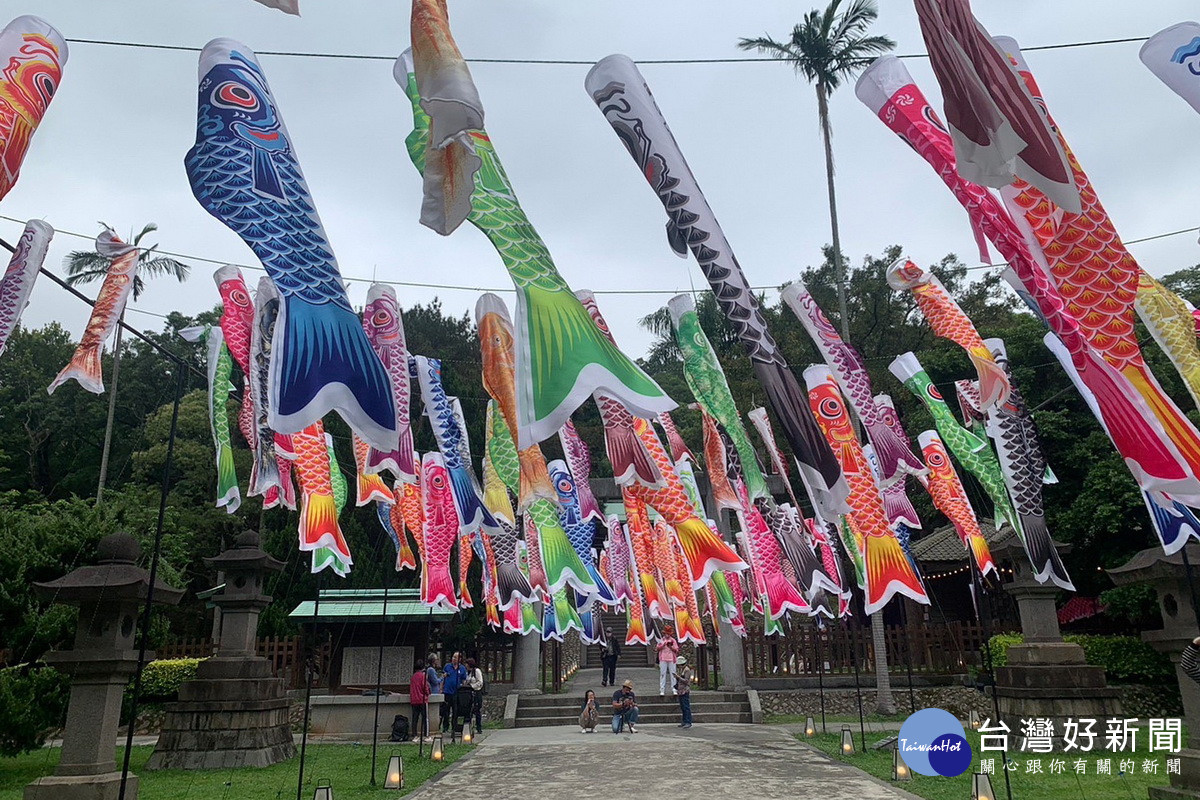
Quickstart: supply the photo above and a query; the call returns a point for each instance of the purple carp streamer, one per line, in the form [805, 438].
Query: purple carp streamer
[22, 272]
[894, 452]
[623, 97]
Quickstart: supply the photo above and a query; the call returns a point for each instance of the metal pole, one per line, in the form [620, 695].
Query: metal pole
[112, 412]
[862, 724]
[308, 694]
[986, 604]
[379, 673]
[912, 697]
[820, 631]
[154, 559]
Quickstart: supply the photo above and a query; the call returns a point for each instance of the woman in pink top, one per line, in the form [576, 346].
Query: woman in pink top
[668, 651]
[418, 696]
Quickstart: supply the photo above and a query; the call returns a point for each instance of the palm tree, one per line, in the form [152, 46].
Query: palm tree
[828, 48]
[86, 266]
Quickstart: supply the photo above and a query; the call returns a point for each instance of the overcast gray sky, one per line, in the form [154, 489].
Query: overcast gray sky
[112, 144]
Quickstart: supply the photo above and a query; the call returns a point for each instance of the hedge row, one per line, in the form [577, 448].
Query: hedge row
[1126, 659]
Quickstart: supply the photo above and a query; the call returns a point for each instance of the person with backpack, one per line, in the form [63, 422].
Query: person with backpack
[683, 688]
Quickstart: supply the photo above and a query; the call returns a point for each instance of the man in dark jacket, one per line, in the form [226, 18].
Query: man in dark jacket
[612, 651]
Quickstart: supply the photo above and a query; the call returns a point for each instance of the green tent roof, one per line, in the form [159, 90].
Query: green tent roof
[356, 604]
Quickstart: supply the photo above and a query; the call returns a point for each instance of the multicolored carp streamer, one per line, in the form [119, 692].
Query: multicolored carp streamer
[318, 505]
[636, 631]
[22, 272]
[84, 366]
[389, 515]
[706, 379]
[520, 472]
[888, 571]
[1169, 319]
[512, 584]
[449, 436]
[902, 531]
[244, 172]
[619, 559]
[895, 453]
[706, 552]
[1173, 55]
[1098, 278]
[1174, 523]
[998, 129]
[580, 529]
[32, 56]
[560, 358]
[440, 532]
[237, 325]
[384, 327]
[972, 452]
[949, 321]
[679, 448]
[579, 462]
[368, 487]
[270, 477]
[762, 423]
[888, 90]
[630, 461]
[220, 386]
[899, 508]
[327, 556]
[625, 100]
[951, 499]
[1019, 448]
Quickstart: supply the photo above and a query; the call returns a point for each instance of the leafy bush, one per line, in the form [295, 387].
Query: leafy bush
[1126, 659]
[33, 703]
[161, 679]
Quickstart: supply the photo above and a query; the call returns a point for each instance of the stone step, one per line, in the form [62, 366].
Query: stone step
[699, 717]
[573, 700]
[566, 712]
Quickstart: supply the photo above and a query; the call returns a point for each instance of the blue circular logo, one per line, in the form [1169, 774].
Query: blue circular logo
[932, 742]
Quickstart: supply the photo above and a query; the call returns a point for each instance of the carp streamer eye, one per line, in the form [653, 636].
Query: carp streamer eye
[565, 486]
[830, 408]
[936, 460]
[381, 318]
[438, 481]
[239, 298]
[234, 95]
[934, 393]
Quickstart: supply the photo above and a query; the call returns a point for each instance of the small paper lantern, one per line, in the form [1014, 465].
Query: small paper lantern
[467, 736]
[395, 773]
[810, 727]
[847, 741]
[437, 754]
[973, 719]
[324, 791]
[900, 770]
[981, 787]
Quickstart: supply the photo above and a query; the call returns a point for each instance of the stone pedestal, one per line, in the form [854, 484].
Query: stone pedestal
[733, 663]
[109, 597]
[526, 661]
[233, 713]
[1168, 576]
[1045, 676]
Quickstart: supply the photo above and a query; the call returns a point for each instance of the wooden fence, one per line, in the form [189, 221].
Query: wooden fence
[804, 650]
[285, 653]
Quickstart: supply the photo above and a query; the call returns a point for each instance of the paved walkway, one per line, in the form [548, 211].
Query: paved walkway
[759, 761]
[645, 681]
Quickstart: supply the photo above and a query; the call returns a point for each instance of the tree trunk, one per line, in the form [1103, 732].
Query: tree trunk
[839, 268]
[112, 409]
[884, 702]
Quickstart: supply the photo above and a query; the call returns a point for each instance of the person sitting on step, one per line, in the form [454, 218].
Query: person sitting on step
[589, 714]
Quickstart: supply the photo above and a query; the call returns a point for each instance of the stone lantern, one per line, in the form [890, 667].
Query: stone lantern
[233, 713]
[1045, 676]
[1169, 577]
[110, 597]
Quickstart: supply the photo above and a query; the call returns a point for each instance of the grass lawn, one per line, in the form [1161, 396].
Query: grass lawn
[1025, 786]
[346, 766]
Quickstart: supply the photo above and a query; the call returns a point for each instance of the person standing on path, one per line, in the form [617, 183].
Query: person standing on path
[456, 676]
[475, 683]
[433, 675]
[612, 651]
[683, 688]
[625, 710]
[668, 652]
[418, 696]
